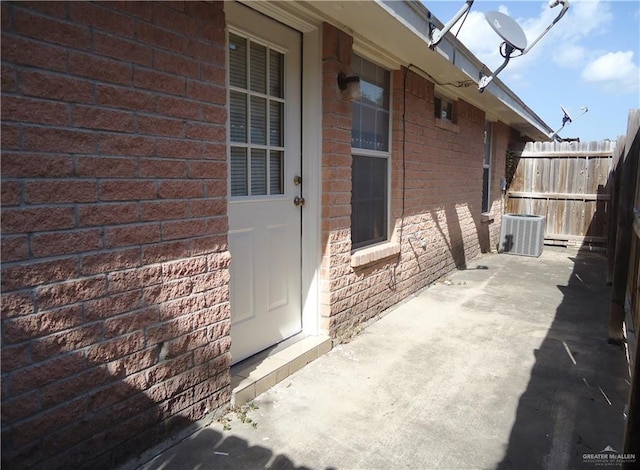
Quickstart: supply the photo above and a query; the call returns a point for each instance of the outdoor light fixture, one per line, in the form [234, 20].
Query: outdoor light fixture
[514, 38]
[436, 35]
[350, 87]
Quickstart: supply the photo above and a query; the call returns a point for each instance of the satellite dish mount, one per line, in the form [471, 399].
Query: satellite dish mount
[436, 35]
[514, 39]
[566, 118]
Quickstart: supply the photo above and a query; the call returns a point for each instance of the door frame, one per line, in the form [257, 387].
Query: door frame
[311, 144]
[312, 180]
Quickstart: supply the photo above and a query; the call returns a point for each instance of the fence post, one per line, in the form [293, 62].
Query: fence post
[614, 192]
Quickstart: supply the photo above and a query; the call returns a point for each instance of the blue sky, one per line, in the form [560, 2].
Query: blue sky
[589, 58]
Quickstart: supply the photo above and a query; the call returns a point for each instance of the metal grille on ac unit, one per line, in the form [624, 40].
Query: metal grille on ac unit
[522, 234]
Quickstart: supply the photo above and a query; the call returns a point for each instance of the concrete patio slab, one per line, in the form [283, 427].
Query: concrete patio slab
[503, 365]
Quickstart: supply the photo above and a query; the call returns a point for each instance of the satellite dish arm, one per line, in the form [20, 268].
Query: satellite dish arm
[436, 35]
[484, 81]
[554, 135]
[552, 4]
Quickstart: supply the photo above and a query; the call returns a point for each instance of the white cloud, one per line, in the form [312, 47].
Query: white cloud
[564, 42]
[478, 36]
[571, 55]
[584, 20]
[615, 72]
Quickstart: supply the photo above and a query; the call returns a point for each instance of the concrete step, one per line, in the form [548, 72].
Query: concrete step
[258, 374]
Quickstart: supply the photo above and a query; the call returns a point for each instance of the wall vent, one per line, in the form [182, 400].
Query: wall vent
[522, 234]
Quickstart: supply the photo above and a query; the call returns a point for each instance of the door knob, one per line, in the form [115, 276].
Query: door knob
[298, 201]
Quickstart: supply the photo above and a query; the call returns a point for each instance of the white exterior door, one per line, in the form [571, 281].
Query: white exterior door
[264, 160]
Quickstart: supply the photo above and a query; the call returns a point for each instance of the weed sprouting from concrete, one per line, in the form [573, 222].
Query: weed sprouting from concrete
[241, 413]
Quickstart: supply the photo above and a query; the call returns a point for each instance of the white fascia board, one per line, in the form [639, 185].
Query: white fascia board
[285, 12]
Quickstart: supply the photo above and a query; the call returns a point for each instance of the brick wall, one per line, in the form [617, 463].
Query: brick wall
[443, 194]
[336, 174]
[436, 195]
[115, 312]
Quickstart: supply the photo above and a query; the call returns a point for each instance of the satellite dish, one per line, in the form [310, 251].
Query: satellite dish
[566, 117]
[514, 37]
[507, 29]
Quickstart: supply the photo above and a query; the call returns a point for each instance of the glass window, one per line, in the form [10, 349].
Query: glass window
[444, 109]
[256, 115]
[368, 201]
[370, 149]
[486, 168]
[371, 113]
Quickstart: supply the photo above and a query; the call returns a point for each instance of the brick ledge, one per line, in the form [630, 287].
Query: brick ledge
[447, 125]
[487, 217]
[374, 253]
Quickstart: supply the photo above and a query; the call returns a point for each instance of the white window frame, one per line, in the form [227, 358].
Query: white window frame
[361, 152]
[488, 127]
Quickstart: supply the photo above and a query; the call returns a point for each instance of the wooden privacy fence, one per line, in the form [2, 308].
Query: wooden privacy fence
[568, 183]
[624, 270]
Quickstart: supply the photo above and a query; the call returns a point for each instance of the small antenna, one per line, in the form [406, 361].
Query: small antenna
[514, 38]
[436, 35]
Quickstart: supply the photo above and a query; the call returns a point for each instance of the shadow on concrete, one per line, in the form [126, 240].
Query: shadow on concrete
[209, 449]
[480, 267]
[582, 411]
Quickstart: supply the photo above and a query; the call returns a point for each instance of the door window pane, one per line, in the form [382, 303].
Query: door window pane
[258, 172]
[258, 67]
[239, 171]
[276, 123]
[276, 72]
[276, 161]
[237, 61]
[238, 116]
[256, 114]
[258, 120]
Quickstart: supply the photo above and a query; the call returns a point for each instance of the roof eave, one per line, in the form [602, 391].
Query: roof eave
[395, 32]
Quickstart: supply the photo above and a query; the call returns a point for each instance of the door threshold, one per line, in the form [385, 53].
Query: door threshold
[257, 374]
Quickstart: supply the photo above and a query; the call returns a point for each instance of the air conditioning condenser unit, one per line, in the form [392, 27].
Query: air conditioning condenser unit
[522, 234]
